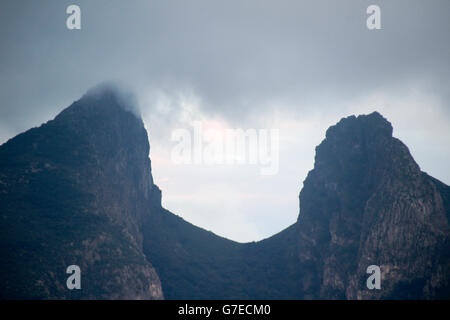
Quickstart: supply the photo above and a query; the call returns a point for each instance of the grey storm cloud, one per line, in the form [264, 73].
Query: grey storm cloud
[235, 55]
[239, 59]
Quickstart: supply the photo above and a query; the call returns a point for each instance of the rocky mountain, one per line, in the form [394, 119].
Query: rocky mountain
[366, 202]
[79, 190]
[76, 190]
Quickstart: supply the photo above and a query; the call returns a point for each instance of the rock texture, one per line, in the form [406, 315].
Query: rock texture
[79, 190]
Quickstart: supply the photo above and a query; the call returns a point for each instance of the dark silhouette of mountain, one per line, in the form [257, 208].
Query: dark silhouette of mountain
[79, 190]
[76, 191]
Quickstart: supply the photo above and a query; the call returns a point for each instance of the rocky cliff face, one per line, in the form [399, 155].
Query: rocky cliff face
[76, 191]
[366, 202]
[79, 190]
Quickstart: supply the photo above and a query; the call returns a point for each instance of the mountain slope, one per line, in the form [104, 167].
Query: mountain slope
[75, 191]
[367, 202]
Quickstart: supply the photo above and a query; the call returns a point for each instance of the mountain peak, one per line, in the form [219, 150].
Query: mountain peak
[81, 184]
[363, 201]
[107, 97]
[373, 124]
[362, 140]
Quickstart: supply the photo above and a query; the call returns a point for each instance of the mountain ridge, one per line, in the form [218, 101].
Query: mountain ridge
[79, 190]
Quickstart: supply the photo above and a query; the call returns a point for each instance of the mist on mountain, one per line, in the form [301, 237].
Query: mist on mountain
[78, 190]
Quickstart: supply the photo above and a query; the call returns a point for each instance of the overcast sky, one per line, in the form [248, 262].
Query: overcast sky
[297, 66]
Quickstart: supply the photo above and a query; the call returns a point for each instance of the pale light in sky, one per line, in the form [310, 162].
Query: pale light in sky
[296, 66]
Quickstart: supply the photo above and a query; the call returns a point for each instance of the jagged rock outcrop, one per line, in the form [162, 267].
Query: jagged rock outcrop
[79, 190]
[76, 191]
[366, 202]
